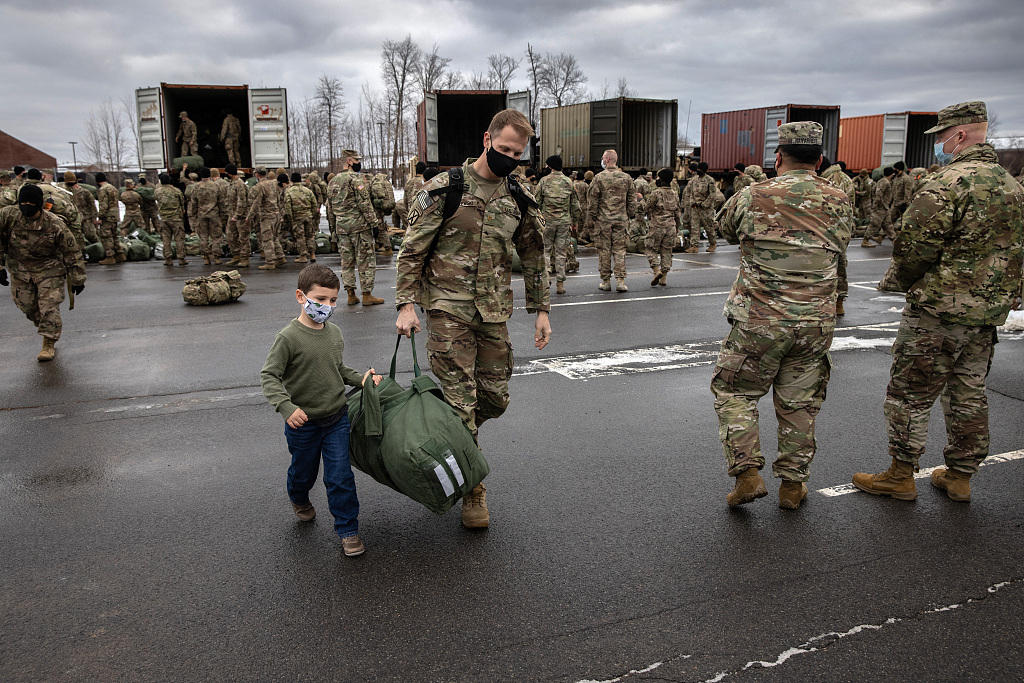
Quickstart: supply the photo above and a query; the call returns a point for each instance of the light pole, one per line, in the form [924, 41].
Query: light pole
[73, 156]
[381, 124]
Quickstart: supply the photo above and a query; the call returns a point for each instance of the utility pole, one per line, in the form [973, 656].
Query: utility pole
[686, 131]
[382, 148]
[73, 156]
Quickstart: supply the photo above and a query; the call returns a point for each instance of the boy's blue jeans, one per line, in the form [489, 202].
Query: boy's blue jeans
[308, 444]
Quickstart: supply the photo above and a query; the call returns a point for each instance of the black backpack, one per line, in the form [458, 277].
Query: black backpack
[457, 186]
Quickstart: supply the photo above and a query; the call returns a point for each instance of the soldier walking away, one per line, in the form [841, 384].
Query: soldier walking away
[300, 206]
[41, 255]
[665, 218]
[263, 213]
[456, 263]
[187, 136]
[237, 203]
[412, 188]
[132, 201]
[85, 204]
[560, 208]
[204, 205]
[792, 231]
[702, 207]
[836, 174]
[879, 226]
[354, 217]
[611, 203]
[902, 194]
[230, 131]
[862, 195]
[958, 258]
[170, 203]
[150, 215]
[110, 215]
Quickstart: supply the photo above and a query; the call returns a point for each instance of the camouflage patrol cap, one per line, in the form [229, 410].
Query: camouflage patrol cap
[351, 154]
[959, 114]
[261, 170]
[800, 133]
[141, 176]
[182, 114]
[193, 176]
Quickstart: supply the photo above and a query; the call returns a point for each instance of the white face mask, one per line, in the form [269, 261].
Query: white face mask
[603, 164]
[318, 313]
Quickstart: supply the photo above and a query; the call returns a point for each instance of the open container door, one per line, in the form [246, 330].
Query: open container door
[152, 145]
[773, 118]
[430, 125]
[520, 101]
[894, 139]
[268, 122]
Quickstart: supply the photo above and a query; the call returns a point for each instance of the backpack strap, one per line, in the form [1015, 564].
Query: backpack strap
[452, 192]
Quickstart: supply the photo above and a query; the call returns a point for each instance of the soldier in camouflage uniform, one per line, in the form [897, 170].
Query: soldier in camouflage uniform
[58, 201]
[264, 204]
[312, 181]
[702, 207]
[611, 203]
[685, 225]
[460, 270]
[354, 216]
[150, 214]
[584, 231]
[836, 174]
[236, 201]
[187, 135]
[85, 204]
[191, 182]
[665, 217]
[170, 203]
[223, 208]
[42, 256]
[742, 179]
[109, 215]
[8, 193]
[230, 131]
[132, 201]
[412, 188]
[862, 195]
[958, 258]
[560, 208]
[205, 204]
[881, 202]
[792, 231]
[300, 207]
[902, 195]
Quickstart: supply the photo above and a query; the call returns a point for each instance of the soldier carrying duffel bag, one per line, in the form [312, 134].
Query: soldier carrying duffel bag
[219, 287]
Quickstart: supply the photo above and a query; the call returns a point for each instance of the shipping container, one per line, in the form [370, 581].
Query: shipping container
[641, 131]
[262, 113]
[750, 136]
[883, 139]
[450, 124]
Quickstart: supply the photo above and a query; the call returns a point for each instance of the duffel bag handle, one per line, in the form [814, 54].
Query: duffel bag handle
[415, 360]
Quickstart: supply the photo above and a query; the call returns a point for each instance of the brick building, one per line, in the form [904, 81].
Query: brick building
[14, 152]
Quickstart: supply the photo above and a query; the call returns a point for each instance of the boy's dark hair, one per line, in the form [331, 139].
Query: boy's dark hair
[801, 154]
[315, 274]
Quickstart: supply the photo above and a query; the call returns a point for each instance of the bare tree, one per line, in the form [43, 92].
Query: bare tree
[132, 118]
[561, 79]
[329, 99]
[398, 60]
[993, 125]
[534, 64]
[622, 88]
[431, 70]
[106, 137]
[478, 81]
[500, 70]
[452, 80]
[606, 89]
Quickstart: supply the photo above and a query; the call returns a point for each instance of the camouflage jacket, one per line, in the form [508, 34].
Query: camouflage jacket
[557, 199]
[837, 176]
[959, 253]
[204, 200]
[300, 203]
[611, 198]
[190, 207]
[642, 186]
[132, 203]
[148, 195]
[882, 194]
[349, 198]
[223, 197]
[663, 208]
[85, 203]
[186, 131]
[792, 231]
[464, 265]
[263, 200]
[581, 187]
[237, 199]
[862, 188]
[740, 181]
[702, 191]
[170, 202]
[62, 203]
[412, 188]
[42, 246]
[756, 173]
[231, 128]
[314, 187]
[108, 201]
[902, 190]
[8, 195]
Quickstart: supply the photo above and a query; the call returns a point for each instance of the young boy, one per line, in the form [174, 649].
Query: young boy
[304, 379]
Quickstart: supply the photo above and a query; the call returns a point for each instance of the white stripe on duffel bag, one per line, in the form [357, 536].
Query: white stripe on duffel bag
[450, 459]
[446, 482]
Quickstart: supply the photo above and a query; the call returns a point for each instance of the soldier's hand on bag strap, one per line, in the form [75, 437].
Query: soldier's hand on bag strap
[408, 322]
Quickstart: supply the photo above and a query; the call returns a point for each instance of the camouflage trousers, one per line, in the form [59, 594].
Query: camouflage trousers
[358, 252]
[189, 148]
[237, 236]
[473, 361]
[794, 362]
[843, 284]
[305, 236]
[610, 240]
[932, 357]
[879, 227]
[39, 298]
[572, 264]
[109, 236]
[658, 245]
[557, 243]
[132, 221]
[150, 222]
[703, 219]
[231, 147]
[173, 229]
[79, 234]
[272, 251]
[211, 242]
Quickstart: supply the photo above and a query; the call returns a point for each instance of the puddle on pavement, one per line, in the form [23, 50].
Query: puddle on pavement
[62, 477]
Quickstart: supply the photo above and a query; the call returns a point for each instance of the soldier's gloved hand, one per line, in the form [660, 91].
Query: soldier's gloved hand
[77, 289]
[3, 277]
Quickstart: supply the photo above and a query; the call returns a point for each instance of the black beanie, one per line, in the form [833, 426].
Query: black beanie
[665, 176]
[31, 194]
[231, 169]
[33, 174]
[282, 178]
[296, 178]
[101, 177]
[555, 162]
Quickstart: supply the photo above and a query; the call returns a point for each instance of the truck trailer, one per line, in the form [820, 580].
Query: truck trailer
[750, 136]
[262, 112]
[883, 139]
[641, 131]
[450, 124]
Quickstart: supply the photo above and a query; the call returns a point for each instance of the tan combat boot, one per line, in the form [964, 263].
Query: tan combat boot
[370, 300]
[560, 288]
[656, 278]
[267, 266]
[840, 309]
[302, 259]
[243, 263]
[121, 258]
[48, 351]
[182, 262]
[897, 481]
[663, 280]
[605, 286]
[206, 259]
[866, 244]
[474, 509]
[690, 250]
[957, 485]
[215, 261]
[352, 298]
[108, 261]
[748, 488]
[281, 261]
[791, 494]
[233, 261]
[168, 262]
[620, 285]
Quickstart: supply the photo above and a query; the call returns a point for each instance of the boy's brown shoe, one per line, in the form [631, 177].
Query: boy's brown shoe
[306, 512]
[474, 509]
[352, 546]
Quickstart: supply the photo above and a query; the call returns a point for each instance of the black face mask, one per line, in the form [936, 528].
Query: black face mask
[500, 164]
[357, 167]
[29, 210]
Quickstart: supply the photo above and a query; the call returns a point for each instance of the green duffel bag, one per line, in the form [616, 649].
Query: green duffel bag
[146, 191]
[147, 237]
[137, 250]
[92, 188]
[323, 245]
[94, 252]
[396, 240]
[517, 264]
[219, 287]
[412, 441]
[192, 245]
[194, 163]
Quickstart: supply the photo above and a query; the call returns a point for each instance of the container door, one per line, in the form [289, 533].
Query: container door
[150, 110]
[430, 98]
[520, 101]
[268, 123]
[605, 120]
[894, 139]
[773, 118]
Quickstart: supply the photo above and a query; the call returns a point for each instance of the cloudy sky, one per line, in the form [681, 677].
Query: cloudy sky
[62, 59]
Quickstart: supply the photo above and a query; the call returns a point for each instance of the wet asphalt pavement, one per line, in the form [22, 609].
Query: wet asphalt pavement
[146, 533]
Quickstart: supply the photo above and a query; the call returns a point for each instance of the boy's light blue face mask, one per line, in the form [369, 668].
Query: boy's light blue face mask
[318, 313]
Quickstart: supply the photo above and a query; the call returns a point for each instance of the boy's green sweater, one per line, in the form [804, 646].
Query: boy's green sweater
[304, 370]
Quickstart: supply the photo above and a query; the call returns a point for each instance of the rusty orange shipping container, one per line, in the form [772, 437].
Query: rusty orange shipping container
[883, 139]
[750, 136]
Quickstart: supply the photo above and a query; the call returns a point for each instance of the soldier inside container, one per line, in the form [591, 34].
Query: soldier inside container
[187, 136]
[958, 257]
[230, 131]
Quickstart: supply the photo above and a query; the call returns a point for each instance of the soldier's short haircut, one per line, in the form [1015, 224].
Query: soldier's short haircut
[900, 166]
[430, 171]
[420, 167]
[887, 171]
[315, 274]
[204, 172]
[510, 117]
[702, 166]
[801, 154]
[741, 167]
[611, 154]
[214, 173]
[326, 174]
[842, 164]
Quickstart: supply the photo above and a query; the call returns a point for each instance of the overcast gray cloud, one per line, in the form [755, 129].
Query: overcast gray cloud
[870, 56]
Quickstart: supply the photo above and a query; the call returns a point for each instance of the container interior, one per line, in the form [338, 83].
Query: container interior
[207, 107]
[461, 122]
[919, 151]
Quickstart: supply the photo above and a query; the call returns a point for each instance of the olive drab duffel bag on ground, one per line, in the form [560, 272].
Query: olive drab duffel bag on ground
[414, 442]
[219, 287]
